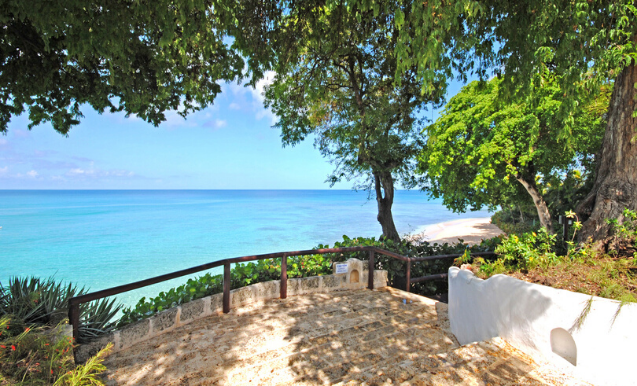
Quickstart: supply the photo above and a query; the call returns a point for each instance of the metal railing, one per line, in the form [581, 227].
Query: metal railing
[74, 302]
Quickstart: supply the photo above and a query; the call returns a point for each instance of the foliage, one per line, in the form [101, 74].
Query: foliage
[88, 373]
[529, 250]
[583, 43]
[512, 224]
[310, 265]
[582, 268]
[29, 356]
[97, 318]
[43, 302]
[626, 231]
[37, 300]
[482, 152]
[338, 85]
[241, 275]
[42, 355]
[142, 58]
[396, 269]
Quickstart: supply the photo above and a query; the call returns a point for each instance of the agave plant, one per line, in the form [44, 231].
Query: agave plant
[96, 318]
[34, 300]
[38, 301]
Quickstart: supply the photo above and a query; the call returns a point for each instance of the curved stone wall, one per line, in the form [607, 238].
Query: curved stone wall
[593, 337]
[355, 278]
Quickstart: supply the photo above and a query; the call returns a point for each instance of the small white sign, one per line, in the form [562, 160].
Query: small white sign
[341, 268]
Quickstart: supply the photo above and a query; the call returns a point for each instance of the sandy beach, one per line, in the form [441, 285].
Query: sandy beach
[471, 231]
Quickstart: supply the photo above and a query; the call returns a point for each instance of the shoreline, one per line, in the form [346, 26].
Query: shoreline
[470, 230]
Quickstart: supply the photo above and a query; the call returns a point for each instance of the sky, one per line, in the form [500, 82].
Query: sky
[230, 145]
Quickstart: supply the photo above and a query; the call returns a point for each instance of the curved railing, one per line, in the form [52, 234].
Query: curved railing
[74, 303]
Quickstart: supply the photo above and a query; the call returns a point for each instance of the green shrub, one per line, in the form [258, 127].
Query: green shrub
[35, 300]
[528, 250]
[29, 356]
[42, 355]
[241, 275]
[396, 269]
[88, 373]
[44, 302]
[312, 265]
[626, 231]
[511, 225]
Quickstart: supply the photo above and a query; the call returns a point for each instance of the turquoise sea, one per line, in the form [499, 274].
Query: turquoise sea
[101, 239]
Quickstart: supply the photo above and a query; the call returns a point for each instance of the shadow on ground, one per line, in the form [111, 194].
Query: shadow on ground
[351, 337]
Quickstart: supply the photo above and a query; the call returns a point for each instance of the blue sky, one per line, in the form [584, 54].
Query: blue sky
[230, 145]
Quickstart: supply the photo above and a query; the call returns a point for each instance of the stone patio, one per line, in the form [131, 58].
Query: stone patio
[357, 337]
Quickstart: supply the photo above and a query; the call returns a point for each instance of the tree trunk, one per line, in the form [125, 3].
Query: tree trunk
[384, 183]
[615, 185]
[540, 205]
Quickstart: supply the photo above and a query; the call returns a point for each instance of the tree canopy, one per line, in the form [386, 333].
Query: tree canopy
[583, 43]
[142, 57]
[147, 57]
[340, 87]
[481, 151]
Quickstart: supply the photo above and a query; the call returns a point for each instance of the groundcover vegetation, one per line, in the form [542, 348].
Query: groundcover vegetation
[34, 346]
[543, 258]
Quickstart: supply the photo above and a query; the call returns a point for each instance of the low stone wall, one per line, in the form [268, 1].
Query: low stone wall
[355, 278]
[591, 337]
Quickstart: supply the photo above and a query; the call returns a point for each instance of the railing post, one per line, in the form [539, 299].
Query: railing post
[284, 276]
[408, 283]
[370, 274]
[74, 319]
[226, 288]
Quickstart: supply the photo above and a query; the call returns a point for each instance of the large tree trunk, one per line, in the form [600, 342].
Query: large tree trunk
[615, 185]
[540, 204]
[384, 183]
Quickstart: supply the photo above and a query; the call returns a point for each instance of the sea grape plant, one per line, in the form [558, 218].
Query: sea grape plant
[309, 265]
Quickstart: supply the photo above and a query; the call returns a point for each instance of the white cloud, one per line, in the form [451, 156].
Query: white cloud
[215, 124]
[78, 172]
[97, 173]
[259, 89]
[256, 94]
[174, 120]
[32, 173]
[4, 170]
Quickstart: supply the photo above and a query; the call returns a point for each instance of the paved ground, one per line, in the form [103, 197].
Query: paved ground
[352, 337]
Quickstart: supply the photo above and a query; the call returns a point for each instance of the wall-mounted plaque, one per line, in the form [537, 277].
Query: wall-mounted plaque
[341, 268]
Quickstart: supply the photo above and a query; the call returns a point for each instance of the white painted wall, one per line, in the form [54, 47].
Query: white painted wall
[526, 314]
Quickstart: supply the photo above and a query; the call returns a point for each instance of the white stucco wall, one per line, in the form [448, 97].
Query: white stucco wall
[525, 315]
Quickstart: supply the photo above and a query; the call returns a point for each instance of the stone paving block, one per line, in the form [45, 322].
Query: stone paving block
[86, 350]
[294, 287]
[193, 310]
[216, 303]
[241, 296]
[164, 320]
[267, 290]
[333, 282]
[134, 333]
[309, 284]
[511, 370]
